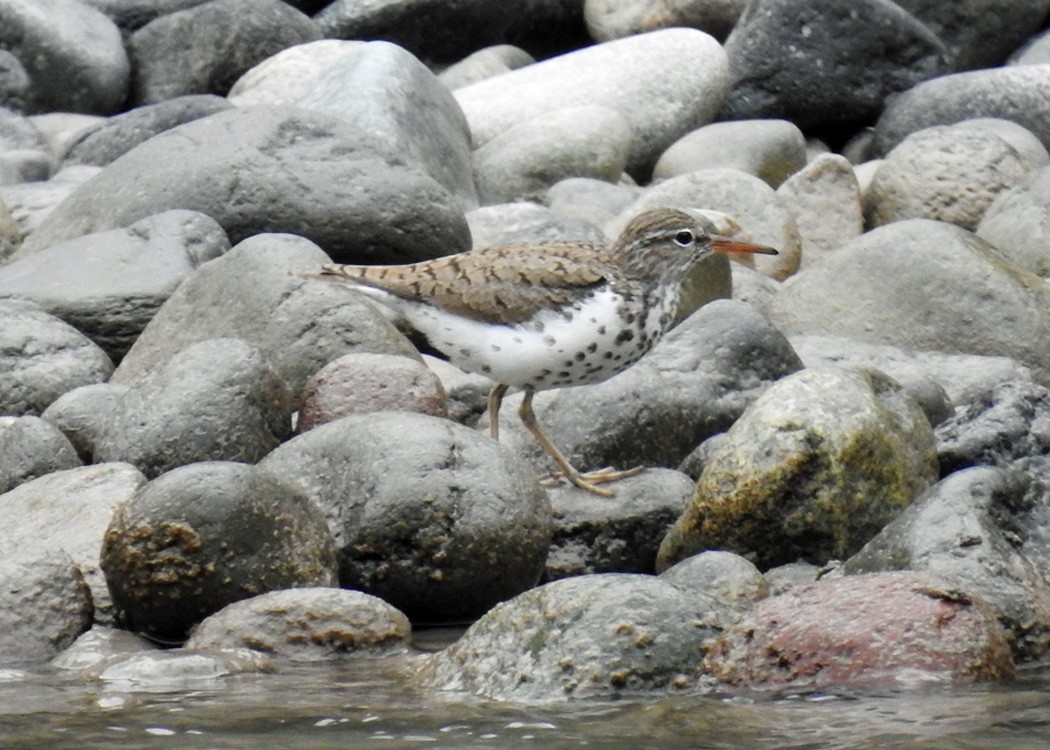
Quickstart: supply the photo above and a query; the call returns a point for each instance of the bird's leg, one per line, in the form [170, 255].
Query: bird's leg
[495, 399]
[585, 481]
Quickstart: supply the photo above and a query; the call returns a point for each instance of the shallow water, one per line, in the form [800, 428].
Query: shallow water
[365, 704]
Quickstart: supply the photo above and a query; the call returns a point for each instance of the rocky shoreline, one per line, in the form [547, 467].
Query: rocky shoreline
[848, 444]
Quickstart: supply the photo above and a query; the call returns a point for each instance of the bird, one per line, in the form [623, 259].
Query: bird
[550, 315]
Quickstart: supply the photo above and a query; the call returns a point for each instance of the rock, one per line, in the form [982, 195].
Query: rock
[983, 530]
[204, 536]
[217, 400]
[67, 512]
[1018, 136]
[891, 630]
[114, 137]
[785, 577]
[594, 636]
[592, 535]
[594, 201]
[614, 19]
[41, 358]
[467, 393]
[1020, 94]
[206, 48]
[959, 296]
[32, 202]
[771, 150]
[1018, 224]
[56, 130]
[252, 293]
[1036, 51]
[527, 223]
[10, 236]
[664, 84]
[44, 606]
[694, 383]
[29, 448]
[752, 288]
[823, 198]
[723, 576]
[749, 201]
[24, 165]
[82, 415]
[844, 60]
[18, 131]
[110, 284]
[360, 383]
[382, 89]
[814, 468]
[1011, 426]
[273, 169]
[432, 517]
[14, 82]
[73, 54]
[130, 15]
[179, 670]
[99, 647]
[531, 156]
[948, 173]
[305, 624]
[485, 63]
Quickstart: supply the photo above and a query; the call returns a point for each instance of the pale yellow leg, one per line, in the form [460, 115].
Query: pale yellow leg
[495, 399]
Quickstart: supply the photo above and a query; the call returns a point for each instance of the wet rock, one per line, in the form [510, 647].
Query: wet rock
[485, 63]
[252, 293]
[664, 83]
[73, 54]
[110, 284]
[725, 577]
[44, 606]
[83, 413]
[181, 670]
[213, 401]
[891, 630]
[1018, 224]
[984, 531]
[527, 159]
[306, 624]
[959, 296]
[114, 137]
[273, 169]
[815, 467]
[844, 61]
[614, 19]
[527, 223]
[586, 637]
[592, 535]
[771, 150]
[823, 197]
[67, 512]
[41, 357]
[433, 517]
[379, 87]
[357, 383]
[204, 536]
[98, 648]
[206, 48]
[29, 448]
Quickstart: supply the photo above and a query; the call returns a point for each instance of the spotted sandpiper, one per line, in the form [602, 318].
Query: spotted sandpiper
[548, 316]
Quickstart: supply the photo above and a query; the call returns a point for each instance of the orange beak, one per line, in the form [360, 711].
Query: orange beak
[730, 245]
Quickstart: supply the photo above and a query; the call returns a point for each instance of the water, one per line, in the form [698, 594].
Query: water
[366, 704]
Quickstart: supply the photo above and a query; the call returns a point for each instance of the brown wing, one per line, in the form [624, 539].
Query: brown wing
[494, 284]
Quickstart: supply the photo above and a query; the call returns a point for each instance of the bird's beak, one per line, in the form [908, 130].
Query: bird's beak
[730, 245]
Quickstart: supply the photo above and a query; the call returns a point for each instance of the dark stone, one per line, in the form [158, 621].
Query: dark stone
[130, 15]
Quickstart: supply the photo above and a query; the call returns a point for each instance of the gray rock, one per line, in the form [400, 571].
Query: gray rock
[724, 576]
[130, 15]
[959, 296]
[25, 165]
[217, 400]
[754, 289]
[984, 530]
[595, 201]
[785, 577]
[592, 535]
[771, 150]
[117, 135]
[525, 223]
[273, 169]
[1036, 51]
[29, 448]
[824, 199]
[694, 383]
[179, 670]
[485, 63]
[206, 48]
[531, 156]
[594, 636]
[58, 129]
[1020, 94]
[204, 536]
[252, 293]
[379, 87]
[467, 392]
[83, 413]
[306, 624]
[44, 606]
[1018, 136]
[434, 518]
[948, 173]
[614, 19]
[1018, 224]
[664, 83]
[67, 512]
[813, 469]
[74, 55]
[845, 60]
[18, 131]
[32, 202]
[99, 647]
[42, 357]
[110, 284]
[14, 82]
[10, 235]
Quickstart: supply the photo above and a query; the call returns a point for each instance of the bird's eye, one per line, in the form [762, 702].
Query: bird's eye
[684, 238]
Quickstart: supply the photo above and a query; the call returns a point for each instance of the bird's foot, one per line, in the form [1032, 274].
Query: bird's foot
[590, 480]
